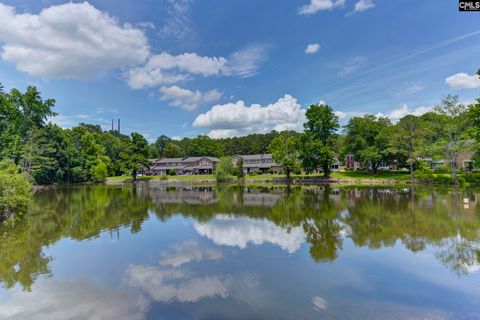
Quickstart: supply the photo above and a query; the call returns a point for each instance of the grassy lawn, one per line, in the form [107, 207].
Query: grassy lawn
[147, 178]
[381, 175]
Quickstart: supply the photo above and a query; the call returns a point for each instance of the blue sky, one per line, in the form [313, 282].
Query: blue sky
[227, 68]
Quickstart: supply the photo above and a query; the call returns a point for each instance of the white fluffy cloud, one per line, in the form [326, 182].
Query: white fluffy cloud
[239, 232]
[165, 68]
[463, 81]
[312, 48]
[225, 120]
[187, 99]
[363, 5]
[319, 5]
[397, 114]
[72, 40]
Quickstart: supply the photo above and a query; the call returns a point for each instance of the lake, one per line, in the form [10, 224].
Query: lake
[151, 251]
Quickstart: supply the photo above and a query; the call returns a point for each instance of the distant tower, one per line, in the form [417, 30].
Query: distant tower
[118, 125]
[112, 125]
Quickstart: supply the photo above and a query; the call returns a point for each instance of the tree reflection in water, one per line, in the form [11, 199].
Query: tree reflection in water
[370, 217]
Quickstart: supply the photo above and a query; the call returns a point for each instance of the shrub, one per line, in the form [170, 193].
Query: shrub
[472, 178]
[239, 168]
[77, 175]
[423, 167]
[224, 169]
[163, 177]
[99, 172]
[235, 172]
[172, 172]
[15, 191]
[431, 178]
[259, 172]
[270, 171]
[442, 169]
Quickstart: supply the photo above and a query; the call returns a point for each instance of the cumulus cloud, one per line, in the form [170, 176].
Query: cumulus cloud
[165, 68]
[397, 114]
[319, 5]
[239, 232]
[52, 300]
[186, 252]
[463, 81]
[72, 40]
[312, 48]
[187, 99]
[363, 5]
[225, 120]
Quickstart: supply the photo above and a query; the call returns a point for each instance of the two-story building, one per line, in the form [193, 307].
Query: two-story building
[253, 163]
[182, 166]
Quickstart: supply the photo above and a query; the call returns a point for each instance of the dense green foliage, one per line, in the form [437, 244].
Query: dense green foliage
[367, 140]
[224, 169]
[48, 154]
[203, 145]
[318, 139]
[14, 191]
[285, 150]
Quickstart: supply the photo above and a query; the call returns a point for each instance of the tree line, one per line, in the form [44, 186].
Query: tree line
[444, 133]
[46, 153]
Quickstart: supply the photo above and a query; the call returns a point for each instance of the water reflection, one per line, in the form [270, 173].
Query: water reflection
[240, 231]
[76, 213]
[73, 299]
[188, 251]
[239, 216]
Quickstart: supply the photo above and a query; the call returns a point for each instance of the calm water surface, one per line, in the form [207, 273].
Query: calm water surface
[231, 252]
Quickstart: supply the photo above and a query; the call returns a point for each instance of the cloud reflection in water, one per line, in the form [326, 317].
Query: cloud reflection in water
[240, 231]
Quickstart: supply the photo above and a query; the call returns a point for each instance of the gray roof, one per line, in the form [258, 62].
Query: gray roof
[256, 156]
[164, 167]
[170, 160]
[195, 159]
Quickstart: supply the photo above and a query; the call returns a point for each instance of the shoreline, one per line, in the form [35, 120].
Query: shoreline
[294, 181]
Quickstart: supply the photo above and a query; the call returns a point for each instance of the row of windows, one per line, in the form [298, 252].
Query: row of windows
[258, 161]
[172, 164]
